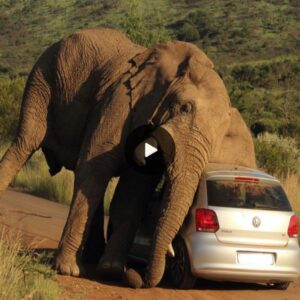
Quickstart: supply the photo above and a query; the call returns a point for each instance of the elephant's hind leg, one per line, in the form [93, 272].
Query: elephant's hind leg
[100, 158]
[91, 179]
[133, 192]
[31, 131]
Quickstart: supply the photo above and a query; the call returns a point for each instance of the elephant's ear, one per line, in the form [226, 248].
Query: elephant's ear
[237, 145]
[197, 66]
[142, 74]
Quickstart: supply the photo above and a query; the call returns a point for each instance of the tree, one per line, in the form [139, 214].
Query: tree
[143, 24]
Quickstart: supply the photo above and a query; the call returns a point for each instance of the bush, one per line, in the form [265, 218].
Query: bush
[143, 24]
[206, 24]
[277, 155]
[11, 91]
[188, 33]
[283, 72]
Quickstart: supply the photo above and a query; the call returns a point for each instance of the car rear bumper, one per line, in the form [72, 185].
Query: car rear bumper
[211, 259]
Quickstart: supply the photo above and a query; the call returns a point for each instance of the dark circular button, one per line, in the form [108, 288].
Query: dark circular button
[149, 149]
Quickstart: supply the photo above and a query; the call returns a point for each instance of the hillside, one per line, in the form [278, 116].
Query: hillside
[230, 31]
[254, 44]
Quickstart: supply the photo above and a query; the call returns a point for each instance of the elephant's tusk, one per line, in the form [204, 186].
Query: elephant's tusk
[139, 155]
[171, 251]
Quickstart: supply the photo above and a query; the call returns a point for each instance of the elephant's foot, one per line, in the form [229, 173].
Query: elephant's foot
[67, 264]
[133, 279]
[111, 269]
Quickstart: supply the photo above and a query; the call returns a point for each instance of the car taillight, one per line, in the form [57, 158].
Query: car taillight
[293, 229]
[206, 220]
[247, 179]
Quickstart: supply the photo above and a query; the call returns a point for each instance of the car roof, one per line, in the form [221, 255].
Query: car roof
[223, 171]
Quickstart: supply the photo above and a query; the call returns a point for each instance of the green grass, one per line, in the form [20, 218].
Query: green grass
[254, 45]
[243, 30]
[24, 274]
[34, 178]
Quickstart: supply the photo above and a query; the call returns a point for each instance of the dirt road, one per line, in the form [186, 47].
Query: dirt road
[41, 223]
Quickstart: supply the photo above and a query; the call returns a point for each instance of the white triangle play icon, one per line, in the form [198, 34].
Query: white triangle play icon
[149, 150]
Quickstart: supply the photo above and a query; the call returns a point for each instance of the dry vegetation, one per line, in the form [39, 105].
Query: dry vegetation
[256, 54]
[23, 274]
[255, 48]
[34, 178]
[291, 185]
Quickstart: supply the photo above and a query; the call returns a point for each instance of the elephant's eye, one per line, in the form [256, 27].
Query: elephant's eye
[186, 108]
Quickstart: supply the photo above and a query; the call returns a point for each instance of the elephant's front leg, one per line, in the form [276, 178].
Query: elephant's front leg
[88, 195]
[130, 198]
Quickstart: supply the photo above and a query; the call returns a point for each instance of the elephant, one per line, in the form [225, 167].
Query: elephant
[236, 148]
[84, 96]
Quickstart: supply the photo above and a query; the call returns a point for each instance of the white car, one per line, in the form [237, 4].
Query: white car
[240, 227]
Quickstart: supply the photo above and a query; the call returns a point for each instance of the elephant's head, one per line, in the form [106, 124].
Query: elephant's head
[186, 97]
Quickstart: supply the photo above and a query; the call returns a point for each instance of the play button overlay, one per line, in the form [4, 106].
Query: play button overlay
[149, 150]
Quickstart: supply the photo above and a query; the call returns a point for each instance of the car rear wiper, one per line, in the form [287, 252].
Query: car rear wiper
[262, 206]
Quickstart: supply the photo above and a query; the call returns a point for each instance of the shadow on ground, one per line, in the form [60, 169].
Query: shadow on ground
[47, 256]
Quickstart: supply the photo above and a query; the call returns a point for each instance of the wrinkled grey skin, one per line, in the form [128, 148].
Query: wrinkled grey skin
[129, 201]
[82, 99]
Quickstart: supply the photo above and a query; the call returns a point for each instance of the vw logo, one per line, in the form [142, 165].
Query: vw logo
[256, 222]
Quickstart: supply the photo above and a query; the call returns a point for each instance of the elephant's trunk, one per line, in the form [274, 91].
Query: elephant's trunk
[177, 199]
[183, 176]
[174, 211]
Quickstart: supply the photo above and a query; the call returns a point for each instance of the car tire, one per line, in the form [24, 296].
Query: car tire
[179, 266]
[281, 285]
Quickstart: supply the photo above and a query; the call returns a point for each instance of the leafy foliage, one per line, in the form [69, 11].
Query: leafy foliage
[277, 155]
[188, 32]
[137, 26]
[267, 95]
[254, 45]
[11, 91]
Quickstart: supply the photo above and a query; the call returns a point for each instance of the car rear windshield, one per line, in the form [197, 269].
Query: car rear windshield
[255, 195]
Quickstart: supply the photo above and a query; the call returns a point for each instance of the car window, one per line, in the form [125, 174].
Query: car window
[254, 195]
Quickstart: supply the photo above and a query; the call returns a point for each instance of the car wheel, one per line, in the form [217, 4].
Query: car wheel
[281, 285]
[179, 266]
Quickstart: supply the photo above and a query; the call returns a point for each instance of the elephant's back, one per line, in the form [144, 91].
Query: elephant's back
[83, 59]
[88, 62]
[91, 58]
[75, 71]
[109, 41]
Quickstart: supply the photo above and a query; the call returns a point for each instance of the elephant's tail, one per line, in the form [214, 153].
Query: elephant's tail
[31, 130]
